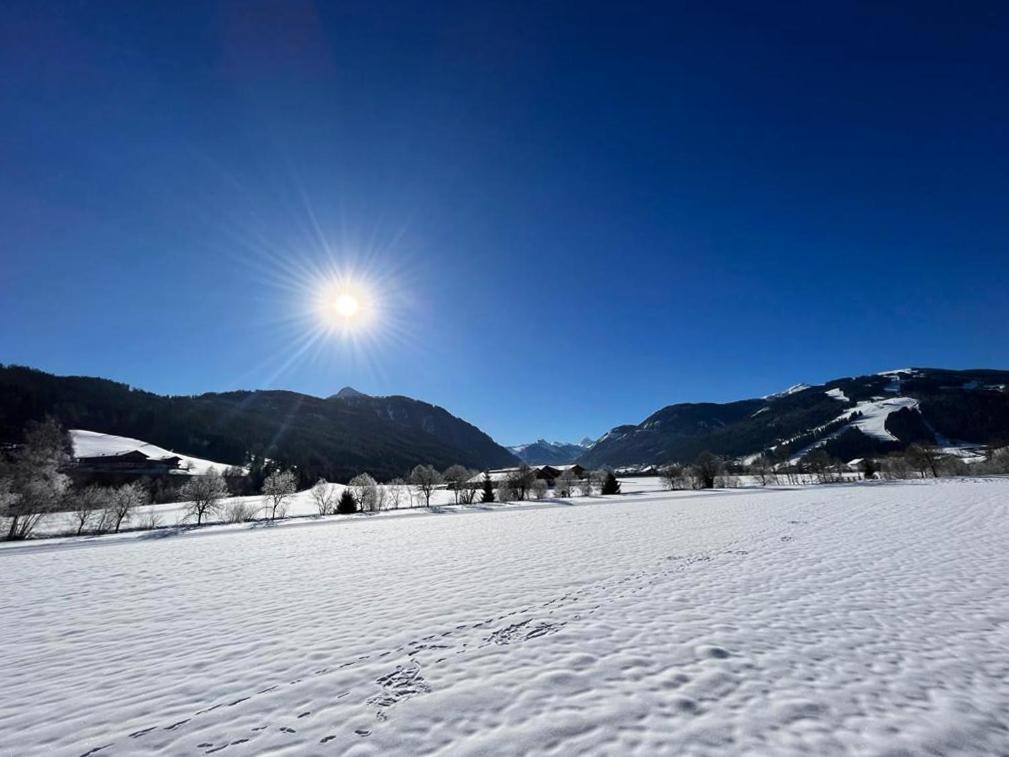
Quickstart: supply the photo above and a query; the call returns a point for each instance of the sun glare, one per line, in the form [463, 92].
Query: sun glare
[345, 306]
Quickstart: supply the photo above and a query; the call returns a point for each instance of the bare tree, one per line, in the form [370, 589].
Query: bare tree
[85, 502]
[996, 460]
[672, 476]
[277, 489]
[926, 458]
[456, 476]
[506, 490]
[425, 480]
[587, 484]
[821, 464]
[9, 497]
[122, 502]
[365, 490]
[38, 485]
[237, 511]
[565, 483]
[952, 465]
[538, 489]
[522, 480]
[151, 519]
[895, 466]
[322, 495]
[395, 493]
[706, 468]
[467, 495]
[763, 467]
[204, 494]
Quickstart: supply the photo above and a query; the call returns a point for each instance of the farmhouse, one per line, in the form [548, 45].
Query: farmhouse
[132, 461]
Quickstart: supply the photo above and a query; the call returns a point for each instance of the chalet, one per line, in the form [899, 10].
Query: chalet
[132, 461]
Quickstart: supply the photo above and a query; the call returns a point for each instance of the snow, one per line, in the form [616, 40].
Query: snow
[872, 422]
[794, 389]
[874, 415]
[838, 394]
[520, 448]
[94, 444]
[846, 620]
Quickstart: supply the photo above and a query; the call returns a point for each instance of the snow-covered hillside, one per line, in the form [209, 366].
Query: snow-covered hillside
[962, 410]
[866, 619]
[94, 444]
[869, 417]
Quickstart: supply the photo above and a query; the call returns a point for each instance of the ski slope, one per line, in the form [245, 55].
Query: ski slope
[850, 620]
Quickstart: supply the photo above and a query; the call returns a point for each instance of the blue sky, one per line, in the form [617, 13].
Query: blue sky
[569, 216]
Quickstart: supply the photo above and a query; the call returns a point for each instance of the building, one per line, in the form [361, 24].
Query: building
[132, 461]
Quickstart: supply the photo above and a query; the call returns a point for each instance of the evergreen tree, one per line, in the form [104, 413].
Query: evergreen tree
[488, 488]
[610, 484]
[869, 468]
[347, 503]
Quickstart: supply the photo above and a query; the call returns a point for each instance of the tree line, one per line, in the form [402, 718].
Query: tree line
[34, 483]
[918, 460]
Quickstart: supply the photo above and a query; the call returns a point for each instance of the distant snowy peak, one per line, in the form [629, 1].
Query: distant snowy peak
[584, 443]
[542, 452]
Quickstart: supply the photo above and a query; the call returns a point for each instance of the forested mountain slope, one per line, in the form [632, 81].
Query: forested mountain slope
[849, 417]
[335, 437]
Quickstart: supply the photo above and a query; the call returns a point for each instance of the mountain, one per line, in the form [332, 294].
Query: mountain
[348, 392]
[542, 452]
[848, 417]
[336, 437]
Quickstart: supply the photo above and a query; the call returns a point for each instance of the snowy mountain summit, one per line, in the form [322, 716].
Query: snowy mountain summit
[542, 452]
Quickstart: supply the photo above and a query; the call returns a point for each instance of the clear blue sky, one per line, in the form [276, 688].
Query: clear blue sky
[572, 214]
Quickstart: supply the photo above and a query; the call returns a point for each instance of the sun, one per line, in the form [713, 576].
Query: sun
[345, 306]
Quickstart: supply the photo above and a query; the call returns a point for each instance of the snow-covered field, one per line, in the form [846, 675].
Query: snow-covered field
[859, 619]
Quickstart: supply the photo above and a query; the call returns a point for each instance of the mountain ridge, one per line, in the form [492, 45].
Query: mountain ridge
[855, 416]
[334, 437]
